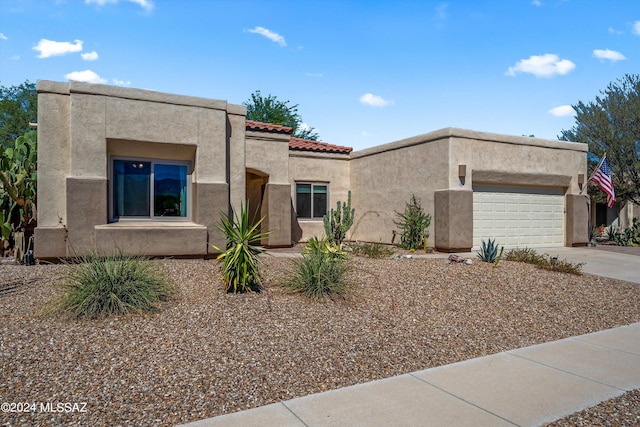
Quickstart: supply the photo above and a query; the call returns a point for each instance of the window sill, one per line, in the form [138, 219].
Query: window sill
[149, 224]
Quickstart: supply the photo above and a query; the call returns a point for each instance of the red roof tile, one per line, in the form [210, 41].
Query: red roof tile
[308, 145]
[259, 126]
[298, 143]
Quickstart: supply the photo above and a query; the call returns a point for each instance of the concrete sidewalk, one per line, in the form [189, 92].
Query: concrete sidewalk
[524, 387]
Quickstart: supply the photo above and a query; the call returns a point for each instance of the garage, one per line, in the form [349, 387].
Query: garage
[518, 216]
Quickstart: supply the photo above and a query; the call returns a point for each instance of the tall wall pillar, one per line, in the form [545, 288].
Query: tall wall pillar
[453, 220]
[276, 208]
[577, 217]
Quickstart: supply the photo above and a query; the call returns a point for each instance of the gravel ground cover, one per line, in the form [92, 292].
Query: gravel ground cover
[618, 412]
[210, 353]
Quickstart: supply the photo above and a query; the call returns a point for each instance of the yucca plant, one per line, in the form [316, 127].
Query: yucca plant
[99, 286]
[241, 265]
[489, 252]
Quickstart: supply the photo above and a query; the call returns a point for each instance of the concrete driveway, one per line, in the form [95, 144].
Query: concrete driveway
[606, 261]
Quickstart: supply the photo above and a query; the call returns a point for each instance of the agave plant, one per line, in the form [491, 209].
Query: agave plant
[489, 251]
[241, 265]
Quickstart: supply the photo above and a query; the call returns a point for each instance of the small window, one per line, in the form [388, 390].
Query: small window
[311, 200]
[149, 189]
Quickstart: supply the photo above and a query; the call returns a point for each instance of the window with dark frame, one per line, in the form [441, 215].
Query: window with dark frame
[154, 189]
[311, 200]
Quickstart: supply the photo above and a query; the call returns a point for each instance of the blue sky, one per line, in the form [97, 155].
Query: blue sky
[362, 72]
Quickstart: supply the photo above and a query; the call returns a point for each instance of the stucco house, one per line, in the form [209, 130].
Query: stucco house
[150, 173]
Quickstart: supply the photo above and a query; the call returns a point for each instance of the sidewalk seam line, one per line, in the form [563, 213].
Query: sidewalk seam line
[463, 400]
[603, 346]
[567, 372]
[294, 414]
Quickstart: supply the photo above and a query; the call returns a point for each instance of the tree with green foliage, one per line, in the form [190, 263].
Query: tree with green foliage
[271, 110]
[611, 124]
[18, 107]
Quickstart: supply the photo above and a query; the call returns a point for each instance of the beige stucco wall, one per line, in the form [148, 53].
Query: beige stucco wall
[81, 125]
[383, 179]
[628, 211]
[318, 167]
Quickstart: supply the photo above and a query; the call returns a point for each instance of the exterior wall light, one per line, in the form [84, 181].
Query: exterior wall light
[462, 171]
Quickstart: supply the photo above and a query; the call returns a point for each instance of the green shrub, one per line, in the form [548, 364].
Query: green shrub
[526, 255]
[320, 272]
[371, 250]
[98, 286]
[489, 252]
[240, 262]
[413, 223]
[630, 236]
[545, 261]
[18, 179]
[337, 222]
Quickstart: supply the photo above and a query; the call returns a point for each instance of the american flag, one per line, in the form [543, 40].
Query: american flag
[602, 177]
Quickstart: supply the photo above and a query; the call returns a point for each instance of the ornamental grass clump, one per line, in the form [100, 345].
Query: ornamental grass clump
[545, 261]
[240, 262]
[100, 286]
[321, 271]
[372, 250]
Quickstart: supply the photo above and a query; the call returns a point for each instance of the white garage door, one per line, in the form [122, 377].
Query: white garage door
[518, 216]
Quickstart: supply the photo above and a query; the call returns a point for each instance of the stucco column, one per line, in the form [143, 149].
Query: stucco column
[453, 220]
[53, 145]
[277, 198]
[86, 208]
[577, 217]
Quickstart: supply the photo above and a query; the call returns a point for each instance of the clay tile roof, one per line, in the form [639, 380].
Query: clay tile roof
[259, 126]
[298, 143]
[308, 145]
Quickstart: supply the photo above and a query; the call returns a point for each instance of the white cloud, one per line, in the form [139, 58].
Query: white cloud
[536, 3]
[85, 76]
[274, 37]
[374, 100]
[636, 28]
[89, 56]
[15, 57]
[3, 37]
[546, 65]
[48, 48]
[118, 82]
[611, 55]
[147, 5]
[562, 111]
[315, 75]
[614, 31]
[441, 11]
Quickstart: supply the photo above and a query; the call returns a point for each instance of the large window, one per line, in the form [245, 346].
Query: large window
[157, 189]
[311, 200]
